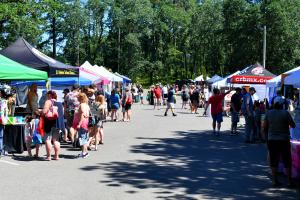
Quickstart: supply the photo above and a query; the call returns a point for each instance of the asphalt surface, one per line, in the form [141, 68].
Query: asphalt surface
[151, 157]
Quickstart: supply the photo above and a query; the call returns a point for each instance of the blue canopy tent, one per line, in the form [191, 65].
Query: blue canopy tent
[64, 81]
[125, 78]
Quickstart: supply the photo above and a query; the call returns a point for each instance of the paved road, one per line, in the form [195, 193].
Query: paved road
[153, 157]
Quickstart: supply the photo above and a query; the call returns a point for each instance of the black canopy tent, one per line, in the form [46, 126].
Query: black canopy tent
[21, 51]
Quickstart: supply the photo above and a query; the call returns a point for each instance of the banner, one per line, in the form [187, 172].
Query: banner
[240, 79]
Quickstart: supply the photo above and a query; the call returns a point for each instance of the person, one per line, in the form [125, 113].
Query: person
[115, 103]
[184, 96]
[51, 132]
[170, 102]
[248, 112]
[82, 124]
[277, 125]
[99, 110]
[195, 95]
[66, 91]
[127, 101]
[235, 108]
[157, 96]
[3, 104]
[32, 105]
[28, 133]
[71, 104]
[280, 99]
[216, 102]
[60, 122]
[165, 94]
[141, 94]
[43, 99]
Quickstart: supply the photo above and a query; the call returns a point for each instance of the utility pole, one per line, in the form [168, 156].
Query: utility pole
[119, 48]
[265, 46]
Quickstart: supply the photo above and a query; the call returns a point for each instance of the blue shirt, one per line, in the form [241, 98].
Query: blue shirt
[115, 99]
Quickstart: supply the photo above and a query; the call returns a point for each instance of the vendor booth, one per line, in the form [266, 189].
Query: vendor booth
[253, 76]
[125, 78]
[22, 52]
[13, 126]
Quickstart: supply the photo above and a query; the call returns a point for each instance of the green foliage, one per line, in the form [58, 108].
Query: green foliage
[159, 40]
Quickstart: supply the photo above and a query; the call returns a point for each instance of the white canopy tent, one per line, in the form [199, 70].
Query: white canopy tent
[223, 82]
[107, 74]
[90, 72]
[293, 79]
[201, 78]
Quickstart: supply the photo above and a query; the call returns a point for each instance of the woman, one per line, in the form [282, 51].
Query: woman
[99, 110]
[32, 105]
[115, 103]
[82, 124]
[277, 124]
[51, 132]
[184, 96]
[127, 101]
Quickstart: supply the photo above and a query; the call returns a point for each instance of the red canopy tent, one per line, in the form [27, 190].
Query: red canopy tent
[255, 74]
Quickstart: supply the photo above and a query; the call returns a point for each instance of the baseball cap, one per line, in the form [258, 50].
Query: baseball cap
[252, 89]
[66, 90]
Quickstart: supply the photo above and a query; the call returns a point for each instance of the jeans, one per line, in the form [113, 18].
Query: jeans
[249, 130]
[1, 139]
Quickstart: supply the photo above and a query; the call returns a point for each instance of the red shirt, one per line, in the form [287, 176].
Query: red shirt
[216, 102]
[157, 92]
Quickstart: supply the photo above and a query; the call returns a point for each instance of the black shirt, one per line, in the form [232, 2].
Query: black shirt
[236, 101]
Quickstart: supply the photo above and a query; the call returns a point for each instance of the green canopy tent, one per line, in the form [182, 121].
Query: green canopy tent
[11, 70]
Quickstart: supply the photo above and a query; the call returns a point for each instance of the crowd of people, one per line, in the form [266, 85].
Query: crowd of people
[77, 120]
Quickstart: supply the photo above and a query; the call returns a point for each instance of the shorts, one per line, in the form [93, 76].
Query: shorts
[195, 103]
[83, 136]
[127, 107]
[69, 117]
[280, 149]
[52, 135]
[218, 118]
[115, 107]
[185, 99]
[235, 117]
[165, 96]
[170, 105]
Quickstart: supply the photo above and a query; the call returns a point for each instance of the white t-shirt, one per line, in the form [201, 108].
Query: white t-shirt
[206, 94]
[165, 90]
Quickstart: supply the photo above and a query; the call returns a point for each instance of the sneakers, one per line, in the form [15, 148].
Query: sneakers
[174, 115]
[165, 114]
[81, 155]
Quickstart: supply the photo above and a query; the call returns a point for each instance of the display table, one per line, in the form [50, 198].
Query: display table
[295, 150]
[14, 138]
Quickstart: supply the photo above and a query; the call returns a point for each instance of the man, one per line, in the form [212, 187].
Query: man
[216, 102]
[71, 104]
[235, 108]
[170, 102]
[248, 112]
[157, 96]
[279, 98]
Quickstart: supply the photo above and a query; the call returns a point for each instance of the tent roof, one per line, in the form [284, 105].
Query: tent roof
[223, 82]
[125, 78]
[87, 70]
[254, 74]
[274, 82]
[11, 70]
[22, 52]
[293, 79]
[109, 75]
[214, 79]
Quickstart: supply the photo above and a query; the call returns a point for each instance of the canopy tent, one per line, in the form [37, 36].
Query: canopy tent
[11, 70]
[293, 79]
[125, 78]
[275, 82]
[21, 51]
[213, 79]
[87, 70]
[107, 74]
[223, 82]
[201, 78]
[255, 74]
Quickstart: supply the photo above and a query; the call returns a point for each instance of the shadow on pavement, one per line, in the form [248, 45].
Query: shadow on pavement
[197, 165]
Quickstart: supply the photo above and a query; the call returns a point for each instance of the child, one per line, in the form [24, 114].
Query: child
[36, 136]
[28, 134]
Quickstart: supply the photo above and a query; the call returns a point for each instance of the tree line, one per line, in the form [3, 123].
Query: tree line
[158, 40]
